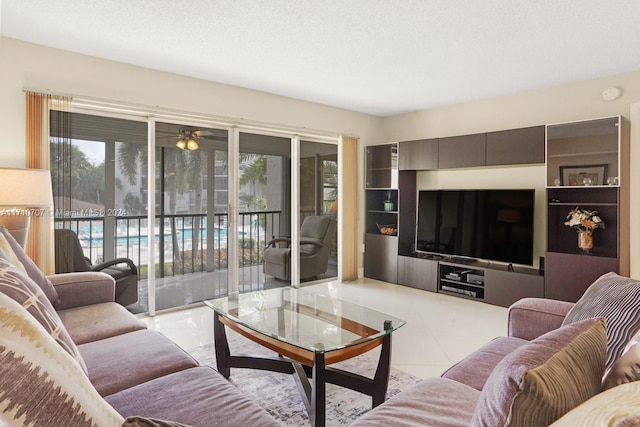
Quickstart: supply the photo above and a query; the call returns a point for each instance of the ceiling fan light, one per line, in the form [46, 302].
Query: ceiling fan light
[192, 144]
[181, 144]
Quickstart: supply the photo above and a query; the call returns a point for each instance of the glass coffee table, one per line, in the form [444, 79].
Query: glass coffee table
[307, 332]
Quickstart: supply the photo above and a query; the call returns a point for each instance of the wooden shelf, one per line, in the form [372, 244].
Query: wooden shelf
[594, 153]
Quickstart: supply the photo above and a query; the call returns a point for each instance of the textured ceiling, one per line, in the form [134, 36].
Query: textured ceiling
[380, 57]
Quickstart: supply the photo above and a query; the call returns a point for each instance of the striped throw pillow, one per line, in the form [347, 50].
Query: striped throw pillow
[542, 380]
[30, 267]
[616, 299]
[41, 383]
[15, 284]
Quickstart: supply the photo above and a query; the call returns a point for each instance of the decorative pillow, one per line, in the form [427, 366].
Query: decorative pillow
[8, 252]
[614, 298]
[617, 407]
[19, 287]
[627, 368]
[29, 266]
[41, 383]
[149, 422]
[542, 380]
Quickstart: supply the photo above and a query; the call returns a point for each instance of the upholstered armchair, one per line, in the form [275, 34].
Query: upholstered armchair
[70, 258]
[316, 235]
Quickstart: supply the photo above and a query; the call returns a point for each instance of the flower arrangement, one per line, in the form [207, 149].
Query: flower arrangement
[388, 199]
[583, 220]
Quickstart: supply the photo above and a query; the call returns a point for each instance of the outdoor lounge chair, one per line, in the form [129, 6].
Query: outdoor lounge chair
[70, 258]
[316, 235]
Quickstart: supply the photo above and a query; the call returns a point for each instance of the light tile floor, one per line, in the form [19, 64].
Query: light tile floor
[440, 329]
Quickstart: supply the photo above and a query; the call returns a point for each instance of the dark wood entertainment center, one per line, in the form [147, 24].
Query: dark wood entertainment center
[391, 171]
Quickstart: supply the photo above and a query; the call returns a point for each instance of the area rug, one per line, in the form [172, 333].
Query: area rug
[278, 394]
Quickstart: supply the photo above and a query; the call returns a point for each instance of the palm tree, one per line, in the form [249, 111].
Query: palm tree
[254, 173]
[183, 172]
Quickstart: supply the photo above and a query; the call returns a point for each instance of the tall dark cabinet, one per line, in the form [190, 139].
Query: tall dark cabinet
[381, 217]
[389, 230]
[587, 168]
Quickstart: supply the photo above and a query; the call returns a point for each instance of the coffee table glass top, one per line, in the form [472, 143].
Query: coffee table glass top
[305, 319]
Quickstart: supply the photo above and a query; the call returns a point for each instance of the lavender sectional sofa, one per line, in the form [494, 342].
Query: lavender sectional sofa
[103, 357]
[562, 364]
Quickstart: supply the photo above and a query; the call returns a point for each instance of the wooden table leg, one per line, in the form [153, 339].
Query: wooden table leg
[317, 405]
[381, 378]
[222, 346]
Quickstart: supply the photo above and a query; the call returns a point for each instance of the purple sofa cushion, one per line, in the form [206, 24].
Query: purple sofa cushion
[31, 269]
[476, 368]
[198, 397]
[614, 298]
[124, 361]
[545, 378]
[99, 321]
[529, 318]
[433, 402]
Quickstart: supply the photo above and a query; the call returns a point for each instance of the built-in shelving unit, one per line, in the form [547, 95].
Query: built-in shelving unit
[597, 150]
[461, 280]
[381, 219]
[594, 149]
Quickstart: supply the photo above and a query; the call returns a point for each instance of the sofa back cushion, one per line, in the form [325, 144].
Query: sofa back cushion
[542, 380]
[616, 299]
[30, 267]
[41, 384]
[15, 284]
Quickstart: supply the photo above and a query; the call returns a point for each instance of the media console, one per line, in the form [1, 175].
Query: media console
[493, 283]
[461, 280]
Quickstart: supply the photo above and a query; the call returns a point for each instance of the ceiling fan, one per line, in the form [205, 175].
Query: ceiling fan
[187, 138]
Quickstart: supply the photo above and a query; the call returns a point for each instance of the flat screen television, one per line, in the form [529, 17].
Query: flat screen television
[494, 225]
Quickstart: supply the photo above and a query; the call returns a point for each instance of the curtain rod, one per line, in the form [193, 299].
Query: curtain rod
[169, 113]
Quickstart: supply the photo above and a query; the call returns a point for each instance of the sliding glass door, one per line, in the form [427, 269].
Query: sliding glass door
[264, 208]
[191, 215]
[318, 195]
[194, 206]
[99, 183]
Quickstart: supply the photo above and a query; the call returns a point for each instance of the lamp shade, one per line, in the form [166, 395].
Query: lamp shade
[20, 189]
[25, 188]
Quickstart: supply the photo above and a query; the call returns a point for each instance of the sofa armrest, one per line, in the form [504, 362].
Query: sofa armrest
[531, 317]
[80, 289]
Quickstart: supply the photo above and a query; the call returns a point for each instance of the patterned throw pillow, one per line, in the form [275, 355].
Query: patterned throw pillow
[616, 299]
[542, 380]
[6, 248]
[19, 287]
[617, 407]
[30, 267]
[627, 368]
[149, 422]
[41, 383]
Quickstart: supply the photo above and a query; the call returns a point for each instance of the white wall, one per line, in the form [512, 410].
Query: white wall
[573, 101]
[25, 65]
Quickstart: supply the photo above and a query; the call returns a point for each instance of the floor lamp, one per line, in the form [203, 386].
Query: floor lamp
[23, 193]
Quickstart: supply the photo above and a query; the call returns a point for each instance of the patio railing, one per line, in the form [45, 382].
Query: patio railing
[184, 243]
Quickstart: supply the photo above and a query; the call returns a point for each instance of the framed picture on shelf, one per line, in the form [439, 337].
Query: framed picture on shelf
[583, 175]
